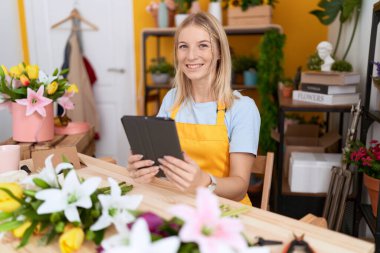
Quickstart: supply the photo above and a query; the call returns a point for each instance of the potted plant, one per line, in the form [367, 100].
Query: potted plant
[182, 9]
[160, 70]
[367, 160]
[376, 79]
[246, 66]
[250, 12]
[30, 94]
[287, 87]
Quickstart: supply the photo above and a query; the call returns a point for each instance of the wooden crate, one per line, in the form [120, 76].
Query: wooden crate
[258, 15]
[84, 143]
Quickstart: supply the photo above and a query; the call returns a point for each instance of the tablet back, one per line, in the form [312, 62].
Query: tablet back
[152, 137]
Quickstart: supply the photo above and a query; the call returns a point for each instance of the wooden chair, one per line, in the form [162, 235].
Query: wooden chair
[263, 166]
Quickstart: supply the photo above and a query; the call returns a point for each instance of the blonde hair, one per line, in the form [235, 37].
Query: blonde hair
[221, 85]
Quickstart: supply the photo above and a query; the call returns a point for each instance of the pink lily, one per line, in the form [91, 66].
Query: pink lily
[35, 101]
[65, 102]
[205, 226]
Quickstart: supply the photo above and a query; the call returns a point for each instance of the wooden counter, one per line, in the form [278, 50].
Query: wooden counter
[160, 195]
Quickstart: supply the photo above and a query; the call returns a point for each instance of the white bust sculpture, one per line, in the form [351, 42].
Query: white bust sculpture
[324, 52]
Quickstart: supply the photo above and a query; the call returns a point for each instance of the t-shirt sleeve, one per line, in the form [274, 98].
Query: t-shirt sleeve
[167, 103]
[245, 126]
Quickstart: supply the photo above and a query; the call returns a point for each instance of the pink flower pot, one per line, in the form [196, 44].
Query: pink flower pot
[33, 128]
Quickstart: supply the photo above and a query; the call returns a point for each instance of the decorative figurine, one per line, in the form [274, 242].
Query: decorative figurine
[324, 49]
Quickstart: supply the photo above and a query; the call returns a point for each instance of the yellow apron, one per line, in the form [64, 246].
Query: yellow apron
[208, 145]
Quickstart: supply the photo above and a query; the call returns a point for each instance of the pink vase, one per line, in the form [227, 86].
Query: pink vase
[33, 128]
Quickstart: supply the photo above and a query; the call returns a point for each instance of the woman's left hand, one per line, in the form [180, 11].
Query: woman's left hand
[185, 174]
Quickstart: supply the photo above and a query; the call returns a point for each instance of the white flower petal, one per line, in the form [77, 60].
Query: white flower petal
[167, 245]
[48, 162]
[72, 214]
[140, 235]
[62, 166]
[104, 221]
[48, 194]
[89, 186]
[131, 202]
[115, 188]
[105, 201]
[84, 201]
[71, 182]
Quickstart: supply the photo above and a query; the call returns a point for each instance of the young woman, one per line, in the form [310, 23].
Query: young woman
[218, 128]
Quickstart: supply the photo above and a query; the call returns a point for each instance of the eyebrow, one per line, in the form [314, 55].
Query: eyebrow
[202, 41]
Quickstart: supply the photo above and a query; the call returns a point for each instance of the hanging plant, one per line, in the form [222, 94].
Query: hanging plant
[269, 71]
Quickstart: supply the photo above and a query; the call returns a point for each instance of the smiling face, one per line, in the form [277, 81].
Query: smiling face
[196, 54]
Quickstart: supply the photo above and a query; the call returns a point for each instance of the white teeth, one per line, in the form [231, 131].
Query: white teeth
[194, 66]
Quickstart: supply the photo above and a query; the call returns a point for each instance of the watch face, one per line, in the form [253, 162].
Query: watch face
[211, 187]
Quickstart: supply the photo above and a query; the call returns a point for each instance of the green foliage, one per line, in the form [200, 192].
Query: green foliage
[270, 71]
[314, 62]
[287, 82]
[245, 4]
[243, 63]
[342, 66]
[183, 6]
[161, 66]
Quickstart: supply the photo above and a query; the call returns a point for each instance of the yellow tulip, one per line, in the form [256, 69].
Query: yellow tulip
[7, 203]
[15, 72]
[21, 67]
[73, 88]
[71, 240]
[52, 88]
[19, 232]
[5, 70]
[266, 2]
[32, 71]
[24, 80]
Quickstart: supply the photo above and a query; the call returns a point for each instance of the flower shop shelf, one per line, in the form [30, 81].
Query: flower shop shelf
[288, 203]
[84, 144]
[160, 196]
[152, 91]
[369, 117]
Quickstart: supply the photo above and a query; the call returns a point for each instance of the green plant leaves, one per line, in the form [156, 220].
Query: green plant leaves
[330, 10]
[349, 7]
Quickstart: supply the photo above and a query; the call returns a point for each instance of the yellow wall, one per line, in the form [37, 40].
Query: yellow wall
[303, 33]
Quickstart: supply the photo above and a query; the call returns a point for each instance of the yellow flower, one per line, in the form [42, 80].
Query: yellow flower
[19, 232]
[32, 71]
[71, 240]
[15, 72]
[73, 88]
[266, 2]
[7, 203]
[52, 88]
[5, 70]
[24, 80]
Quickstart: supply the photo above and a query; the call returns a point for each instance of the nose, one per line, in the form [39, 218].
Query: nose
[192, 53]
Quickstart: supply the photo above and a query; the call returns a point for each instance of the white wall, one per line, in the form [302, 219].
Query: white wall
[10, 52]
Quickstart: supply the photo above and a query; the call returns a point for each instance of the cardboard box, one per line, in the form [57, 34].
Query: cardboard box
[258, 15]
[311, 172]
[304, 138]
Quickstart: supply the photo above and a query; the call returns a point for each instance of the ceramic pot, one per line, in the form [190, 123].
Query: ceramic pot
[215, 9]
[372, 185]
[160, 78]
[287, 91]
[33, 128]
[376, 81]
[250, 78]
[163, 18]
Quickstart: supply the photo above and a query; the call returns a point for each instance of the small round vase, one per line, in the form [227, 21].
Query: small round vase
[32, 128]
[215, 9]
[163, 15]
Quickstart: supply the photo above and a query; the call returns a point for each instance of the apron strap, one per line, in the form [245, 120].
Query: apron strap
[220, 113]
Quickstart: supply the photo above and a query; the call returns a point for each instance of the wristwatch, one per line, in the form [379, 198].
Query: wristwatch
[212, 185]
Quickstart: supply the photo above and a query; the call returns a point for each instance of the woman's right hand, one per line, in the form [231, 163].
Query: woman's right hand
[140, 170]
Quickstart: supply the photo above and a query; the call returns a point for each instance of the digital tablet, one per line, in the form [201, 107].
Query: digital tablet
[152, 137]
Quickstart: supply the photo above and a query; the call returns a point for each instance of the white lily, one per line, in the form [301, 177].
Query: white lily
[45, 78]
[139, 241]
[49, 173]
[73, 195]
[115, 207]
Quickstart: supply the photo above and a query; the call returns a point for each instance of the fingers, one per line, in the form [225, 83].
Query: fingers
[148, 177]
[178, 181]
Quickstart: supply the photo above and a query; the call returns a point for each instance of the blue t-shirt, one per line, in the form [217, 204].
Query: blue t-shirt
[242, 119]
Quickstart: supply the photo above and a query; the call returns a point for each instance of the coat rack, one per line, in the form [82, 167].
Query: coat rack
[75, 15]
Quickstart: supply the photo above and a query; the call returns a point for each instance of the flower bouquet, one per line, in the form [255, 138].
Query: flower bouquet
[367, 160]
[30, 93]
[56, 202]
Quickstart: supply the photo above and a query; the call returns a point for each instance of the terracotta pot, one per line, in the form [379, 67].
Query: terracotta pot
[372, 185]
[287, 91]
[376, 81]
[33, 128]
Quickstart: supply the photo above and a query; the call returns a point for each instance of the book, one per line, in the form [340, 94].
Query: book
[325, 99]
[328, 89]
[330, 77]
